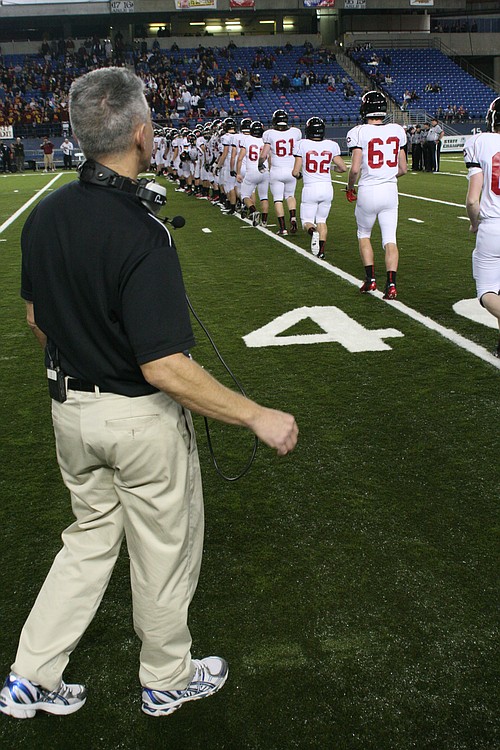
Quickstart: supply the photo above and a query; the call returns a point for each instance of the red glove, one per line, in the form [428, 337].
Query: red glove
[351, 195]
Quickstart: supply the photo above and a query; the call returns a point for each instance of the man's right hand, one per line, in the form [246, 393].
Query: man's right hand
[277, 429]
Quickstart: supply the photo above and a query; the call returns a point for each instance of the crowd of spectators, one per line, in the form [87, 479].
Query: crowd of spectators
[181, 85]
[453, 113]
[34, 95]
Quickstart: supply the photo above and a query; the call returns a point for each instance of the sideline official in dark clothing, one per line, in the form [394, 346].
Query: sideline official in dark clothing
[416, 149]
[5, 157]
[18, 151]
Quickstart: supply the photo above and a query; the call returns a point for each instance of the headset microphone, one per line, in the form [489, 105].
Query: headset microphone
[177, 222]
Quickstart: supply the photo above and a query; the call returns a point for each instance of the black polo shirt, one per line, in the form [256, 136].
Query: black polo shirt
[106, 285]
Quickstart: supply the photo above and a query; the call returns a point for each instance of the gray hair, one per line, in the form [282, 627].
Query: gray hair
[105, 107]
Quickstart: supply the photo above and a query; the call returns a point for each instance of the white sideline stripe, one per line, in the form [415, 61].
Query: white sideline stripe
[418, 197]
[21, 210]
[417, 221]
[447, 333]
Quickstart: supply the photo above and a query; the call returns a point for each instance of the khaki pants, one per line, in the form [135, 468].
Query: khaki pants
[131, 465]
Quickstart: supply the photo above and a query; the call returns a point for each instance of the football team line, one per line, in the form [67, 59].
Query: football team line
[447, 333]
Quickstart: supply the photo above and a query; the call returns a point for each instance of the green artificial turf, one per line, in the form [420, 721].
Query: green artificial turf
[352, 585]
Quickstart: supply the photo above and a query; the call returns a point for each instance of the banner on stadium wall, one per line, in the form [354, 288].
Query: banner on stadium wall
[6, 131]
[453, 142]
[241, 4]
[319, 3]
[354, 4]
[422, 3]
[195, 4]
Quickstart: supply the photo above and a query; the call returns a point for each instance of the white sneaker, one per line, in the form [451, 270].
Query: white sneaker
[210, 675]
[22, 698]
[256, 218]
[315, 243]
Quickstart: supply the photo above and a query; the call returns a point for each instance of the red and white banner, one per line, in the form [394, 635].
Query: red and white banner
[241, 4]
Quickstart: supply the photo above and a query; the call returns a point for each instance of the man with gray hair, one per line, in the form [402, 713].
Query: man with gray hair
[106, 300]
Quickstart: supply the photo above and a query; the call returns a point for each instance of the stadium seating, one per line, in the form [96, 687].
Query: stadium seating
[413, 69]
[316, 100]
[410, 69]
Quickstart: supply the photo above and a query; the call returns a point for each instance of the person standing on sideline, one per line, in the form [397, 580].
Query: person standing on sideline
[482, 159]
[105, 297]
[378, 159]
[279, 142]
[314, 156]
[416, 149]
[48, 155]
[439, 132]
[6, 157]
[67, 149]
[432, 147]
[18, 151]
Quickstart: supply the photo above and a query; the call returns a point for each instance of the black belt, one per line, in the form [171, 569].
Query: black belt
[75, 384]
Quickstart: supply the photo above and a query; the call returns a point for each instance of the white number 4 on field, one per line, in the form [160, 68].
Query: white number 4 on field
[336, 325]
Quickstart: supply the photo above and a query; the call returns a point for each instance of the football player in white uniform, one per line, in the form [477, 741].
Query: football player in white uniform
[314, 156]
[244, 130]
[168, 154]
[228, 143]
[252, 179]
[206, 174]
[200, 143]
[159, 150]
[482, 159]
[213, 153]
[195, 155]
[279, 142]
[378, 159]
[184, 171]
[178, 143]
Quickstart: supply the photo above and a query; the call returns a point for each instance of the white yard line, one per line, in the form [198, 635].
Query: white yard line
[416, 197]
[451, 174]
[447, 333]
[23, 208]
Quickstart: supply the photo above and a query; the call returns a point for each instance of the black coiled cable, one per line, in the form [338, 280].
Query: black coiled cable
[242, 391]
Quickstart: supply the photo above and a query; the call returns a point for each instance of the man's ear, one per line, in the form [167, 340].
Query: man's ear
[140, 136]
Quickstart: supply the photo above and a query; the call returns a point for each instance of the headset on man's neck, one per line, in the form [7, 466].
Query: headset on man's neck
[152, 195]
